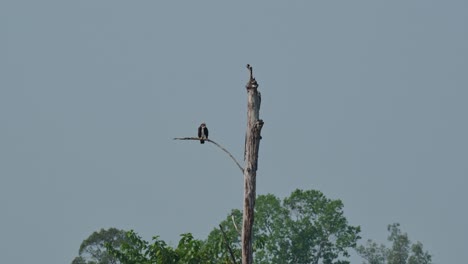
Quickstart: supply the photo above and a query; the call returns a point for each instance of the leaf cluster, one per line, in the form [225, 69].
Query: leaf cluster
[402, 251]
[139, 251]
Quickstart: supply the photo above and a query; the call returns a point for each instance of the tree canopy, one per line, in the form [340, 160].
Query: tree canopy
[139, 251]
[402, 251]
[93, 251]
[305, 227]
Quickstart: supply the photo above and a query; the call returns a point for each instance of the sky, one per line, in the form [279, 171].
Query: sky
[362, 100]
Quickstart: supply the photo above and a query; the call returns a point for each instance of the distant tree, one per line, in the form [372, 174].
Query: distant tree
[306, 227]
[400, 252]
[93, 251]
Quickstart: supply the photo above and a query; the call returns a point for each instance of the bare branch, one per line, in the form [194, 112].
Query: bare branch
[218, 145]
[227, 245]
[188, 138]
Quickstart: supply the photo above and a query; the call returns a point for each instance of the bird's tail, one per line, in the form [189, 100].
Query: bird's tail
[202, 141]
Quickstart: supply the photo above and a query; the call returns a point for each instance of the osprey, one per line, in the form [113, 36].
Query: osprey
[202, 133]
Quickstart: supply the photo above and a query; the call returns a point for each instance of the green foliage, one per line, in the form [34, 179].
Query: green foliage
[398, 253]
[215, 244]
[319, 230]
[92, 250]
[419, 256]
[373, 252]
[400, 247]
[190, 250]
[139, 251]
[306, 227]
[79, 260]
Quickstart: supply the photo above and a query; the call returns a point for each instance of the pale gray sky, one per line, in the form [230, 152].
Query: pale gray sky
[365, 101]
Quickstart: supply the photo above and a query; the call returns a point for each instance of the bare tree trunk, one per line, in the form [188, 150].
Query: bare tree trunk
[252, 143]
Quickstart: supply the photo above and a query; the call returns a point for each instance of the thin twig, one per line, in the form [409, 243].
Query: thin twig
[227, 245]
[218, 145]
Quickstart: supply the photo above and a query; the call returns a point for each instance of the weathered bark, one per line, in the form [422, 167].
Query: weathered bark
[252, 143]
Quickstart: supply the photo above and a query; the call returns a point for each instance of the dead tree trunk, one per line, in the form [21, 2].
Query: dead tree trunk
[252, 143]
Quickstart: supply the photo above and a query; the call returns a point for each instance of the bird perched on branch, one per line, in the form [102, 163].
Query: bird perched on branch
[202, 133]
